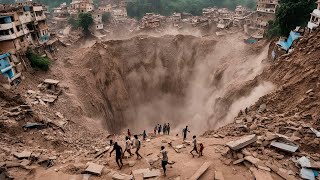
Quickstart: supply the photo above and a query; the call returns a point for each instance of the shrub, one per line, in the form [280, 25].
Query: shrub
[38, 62]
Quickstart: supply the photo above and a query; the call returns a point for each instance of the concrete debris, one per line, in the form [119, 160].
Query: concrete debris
[101, 152]
[285, 146]
[131, 163]
[151, 173]
[317, 133]
[201, 171]
[23, 154]
[121, 176]
[93, 168]
[307, 174]
[243, 142]
[218, 175]
[280, 173]
[30, 125]
[260, 175]
[238, 161]
[139, 173]
[86, 176]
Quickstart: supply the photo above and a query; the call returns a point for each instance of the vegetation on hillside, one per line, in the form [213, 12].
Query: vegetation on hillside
[137, 8]
[38, 62]
[85, 20]
[290, 14]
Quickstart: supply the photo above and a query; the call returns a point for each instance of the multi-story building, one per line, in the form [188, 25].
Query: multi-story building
[266, 11]
[315, 17]
[21, 25]
[97, 19]
[61, 13]
[81, 6]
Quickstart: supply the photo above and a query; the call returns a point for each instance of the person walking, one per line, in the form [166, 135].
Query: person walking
[194, 142]
[138, 145]
[164, 162]
[201, 150]
[144, 135]
[119, 153]
[168, 129]
[159, 129]
[128, 146]
[185, 131]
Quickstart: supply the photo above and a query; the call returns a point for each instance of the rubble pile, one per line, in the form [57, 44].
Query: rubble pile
[283, 126]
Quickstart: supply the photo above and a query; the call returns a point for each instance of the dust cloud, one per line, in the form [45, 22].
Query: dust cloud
[214, 94]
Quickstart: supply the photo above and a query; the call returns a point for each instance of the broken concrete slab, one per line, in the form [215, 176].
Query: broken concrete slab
[238, 161]
[280, 173]
[51, 81]
[218, 175]
[307, 174]
[260, 175]
[243, 142]
[252, 159]
[201, 171]
[23, 154]
[317, 133]
[151, 173]
[284, 146]
[93, 168]
[138, 174]
[120, 176]
[131, 163]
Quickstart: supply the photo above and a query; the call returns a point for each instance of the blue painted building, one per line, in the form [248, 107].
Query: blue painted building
[5, 66]
[286, 44]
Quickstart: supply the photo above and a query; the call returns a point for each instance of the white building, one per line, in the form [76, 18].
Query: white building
[315, 17]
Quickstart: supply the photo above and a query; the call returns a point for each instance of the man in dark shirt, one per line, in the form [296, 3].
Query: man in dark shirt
[118, 150]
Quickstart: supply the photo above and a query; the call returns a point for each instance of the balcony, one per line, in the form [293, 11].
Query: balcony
[267, 10]
[37, 8]
[40, 18]
[8, 37]
[312, 25]
[20, 33]
[6, 26]
[25, 19]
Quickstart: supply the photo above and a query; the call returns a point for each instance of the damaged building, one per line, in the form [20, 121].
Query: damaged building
[21, 25]
[266, 11]
[152, 21]
[80, 6]
[315, 17]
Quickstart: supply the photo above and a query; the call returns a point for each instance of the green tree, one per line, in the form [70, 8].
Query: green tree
[290, 14]
[73, 22]
[106, 17]
[85, 21]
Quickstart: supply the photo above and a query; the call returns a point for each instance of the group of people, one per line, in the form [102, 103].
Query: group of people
[165, 129]
[135, 142]
[120, 153]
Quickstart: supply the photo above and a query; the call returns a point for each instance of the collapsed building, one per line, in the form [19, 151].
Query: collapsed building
[21, 25]
[151, 21]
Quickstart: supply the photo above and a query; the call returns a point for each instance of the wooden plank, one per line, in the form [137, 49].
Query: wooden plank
[201, 171]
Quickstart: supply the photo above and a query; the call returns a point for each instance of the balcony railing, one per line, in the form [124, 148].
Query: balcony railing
[6, 26]
[7, 37]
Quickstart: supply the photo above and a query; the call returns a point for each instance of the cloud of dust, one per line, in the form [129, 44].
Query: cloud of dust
[214, 94]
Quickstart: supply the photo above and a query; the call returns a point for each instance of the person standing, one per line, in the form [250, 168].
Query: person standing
[201, 149]
[155, 130]
[138, 145]
[128, 146]
[164, 129]
[194, 142]
[185, 131]
[144, 135]
[159, 129]
[129, 133]
[168, 129]
[119, 153]
[164, 162]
